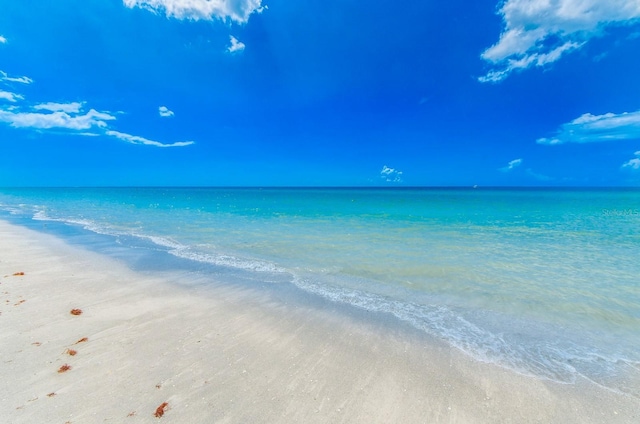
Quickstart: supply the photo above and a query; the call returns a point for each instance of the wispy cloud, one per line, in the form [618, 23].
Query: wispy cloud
[73, 107]
[57, 119]
[134, 139]
[634, 163]
[236, 46]
[165, 112]
[391, 175]
[235, 10]
[2, 40]
[12, 97]
[539, 177]
[71, 117]
[23, 80]
[512, 165]
[539, 32]
[590, 128]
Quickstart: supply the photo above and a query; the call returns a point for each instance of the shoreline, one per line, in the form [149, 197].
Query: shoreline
[228, 354]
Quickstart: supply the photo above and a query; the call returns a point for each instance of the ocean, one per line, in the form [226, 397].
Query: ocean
[545, 282]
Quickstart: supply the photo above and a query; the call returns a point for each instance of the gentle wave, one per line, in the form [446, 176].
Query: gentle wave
[557, 362]
[174, 248]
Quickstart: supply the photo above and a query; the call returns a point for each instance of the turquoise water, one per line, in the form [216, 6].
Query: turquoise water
[545, 282]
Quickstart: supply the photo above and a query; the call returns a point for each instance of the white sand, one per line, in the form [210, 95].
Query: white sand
[235, 355]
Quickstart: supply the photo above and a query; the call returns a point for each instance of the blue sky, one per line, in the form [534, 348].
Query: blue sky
[346, 93]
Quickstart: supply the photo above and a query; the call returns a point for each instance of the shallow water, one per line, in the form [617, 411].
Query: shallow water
[545, 282]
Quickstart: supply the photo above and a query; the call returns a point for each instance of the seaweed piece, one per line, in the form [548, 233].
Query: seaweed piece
[52, 394]
[64, 368]
[82, 340]
[16, 274]
[160, 409]
[71, 352]
[76, 312]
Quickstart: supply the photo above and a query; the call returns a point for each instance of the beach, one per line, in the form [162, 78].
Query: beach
[228, 354]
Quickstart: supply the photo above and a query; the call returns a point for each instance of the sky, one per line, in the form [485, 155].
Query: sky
[320, 93]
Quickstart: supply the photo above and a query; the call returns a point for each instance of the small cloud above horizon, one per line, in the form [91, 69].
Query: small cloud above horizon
[236, 46]
[539, 32]
[511, 165]
[3, 40]
[590, 128]
[165, 112]
[391, 175]
[633, 164]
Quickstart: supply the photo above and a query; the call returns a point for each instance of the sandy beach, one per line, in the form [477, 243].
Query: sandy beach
[238, 355]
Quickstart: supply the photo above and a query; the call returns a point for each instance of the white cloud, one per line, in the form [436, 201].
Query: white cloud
[590, 128]
[633, 163]
[538, 32]
[512, 165]
[23, 80]
[73, 107]
[69, 116]
[12, 97]
[2, 40]
[134, 139]
[235, 10]
[58, 119]
[236, 46]
[165, 112]
[391, 175]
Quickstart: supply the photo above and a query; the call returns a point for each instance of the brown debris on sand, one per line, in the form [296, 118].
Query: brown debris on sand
[160, 409]
[71, 352]
[64, 368]
[16, 274]
[52, 394]
[76, 312]
[82, 340]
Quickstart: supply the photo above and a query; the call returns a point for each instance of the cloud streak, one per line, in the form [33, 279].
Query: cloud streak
[2, 40]
[540, 32]
[590, 128]
[134, 139]
[73, 107]
[512, 165]
[237, 11]
[57, 119]
[22, 80]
